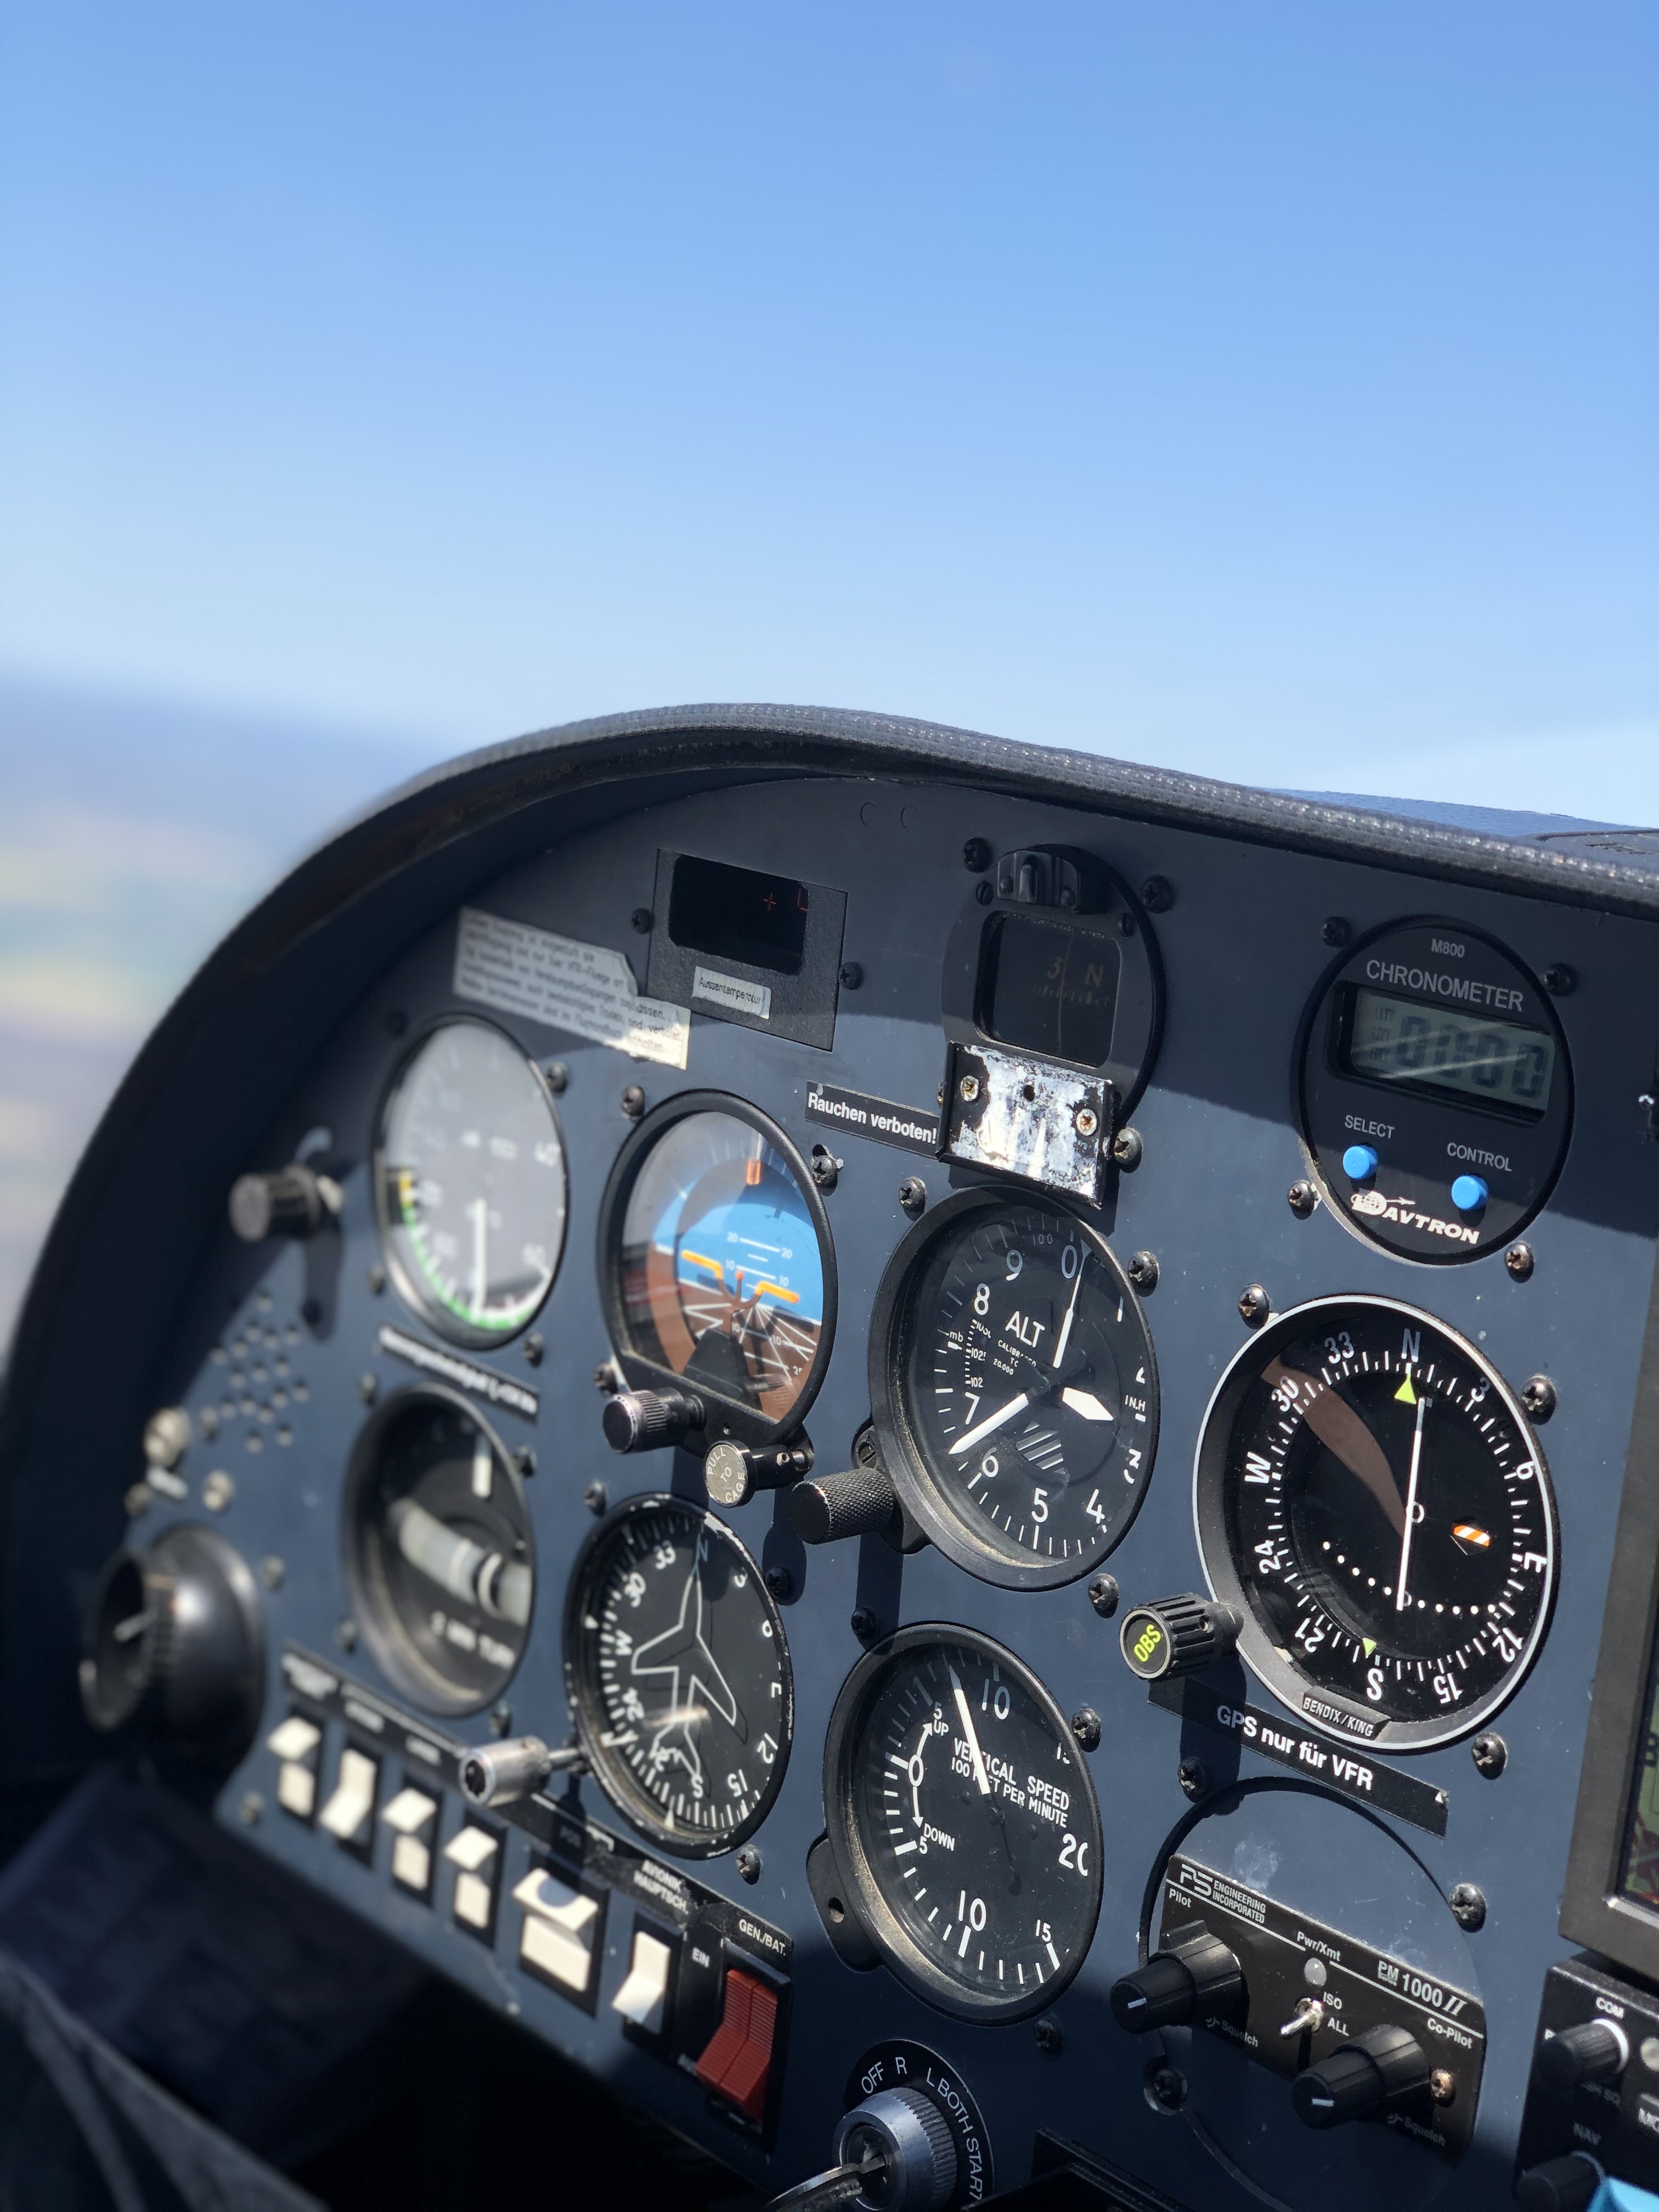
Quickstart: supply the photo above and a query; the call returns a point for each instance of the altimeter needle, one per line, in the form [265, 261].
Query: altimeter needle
[1065, 1336]
[1401, 1600]
[967, 1719]
[993, 1421]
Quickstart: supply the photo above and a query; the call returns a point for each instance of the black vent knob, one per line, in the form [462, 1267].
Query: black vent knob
[1176, 1636]
[1373, 2074]
[292, 1201]
[1596, 2051]
[1197, 1979]
[173, 1642]
[649, 1420]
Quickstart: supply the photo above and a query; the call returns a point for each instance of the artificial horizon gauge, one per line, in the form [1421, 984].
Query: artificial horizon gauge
[438, 1550]
[1013, 1387]
[716, 1263]
[963, 1823]
[678, 1675]
[1371, 1497]
[470, 1183]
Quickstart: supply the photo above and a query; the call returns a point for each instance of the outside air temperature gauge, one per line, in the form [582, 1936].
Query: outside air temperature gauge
[1013, 1387]
[1371, 1498]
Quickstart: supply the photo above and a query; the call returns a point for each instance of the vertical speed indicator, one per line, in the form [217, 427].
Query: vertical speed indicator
[1372, 1498]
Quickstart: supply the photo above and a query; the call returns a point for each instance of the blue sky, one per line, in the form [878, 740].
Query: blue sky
[1261, 386]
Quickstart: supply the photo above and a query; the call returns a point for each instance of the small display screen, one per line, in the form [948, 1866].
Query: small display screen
[1051, 988]
[1639, 1877]
[1486, 1063]
[737, 913]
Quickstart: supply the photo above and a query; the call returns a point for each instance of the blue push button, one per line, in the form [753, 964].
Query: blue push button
[1624, 2196]
[1469, 1193]
[1359, 1163]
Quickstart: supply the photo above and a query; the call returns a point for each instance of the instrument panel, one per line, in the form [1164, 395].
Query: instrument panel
[861, 1402]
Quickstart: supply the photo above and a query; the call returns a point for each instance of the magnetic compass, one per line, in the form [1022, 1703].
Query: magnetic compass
[1014, 1387]
[678, 1675]
[1370, 1496]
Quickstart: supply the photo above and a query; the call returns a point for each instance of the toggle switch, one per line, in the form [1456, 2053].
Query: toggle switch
[474, 1854]
[560, 1933]
[294, 1743]
[412, 1817]
[737, 2061]
[348, 1813]
[642, 1999]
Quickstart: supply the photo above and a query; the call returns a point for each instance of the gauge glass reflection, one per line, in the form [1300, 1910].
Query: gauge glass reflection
[470, 1183]
[439, 1550]
[722, 1274]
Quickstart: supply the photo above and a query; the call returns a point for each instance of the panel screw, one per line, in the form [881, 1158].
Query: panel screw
[864, 1623]
[781, 1583]
[1560, 981]
[826, 1168]
[368, 1387]
[968, 1089]
[501, 1719]
[985, 894]
[976, 856]
[345, 1635]
[749, 1863]
[1468, 1906]
[1442, 2087]
[1192, 1777]
[271, 1572]
[1490, 1755]
[1336, 931]
[1157, 895]
[557, 1074]
[1086, 1121]
[1085, 1726]
[1143, 1270]
[524, 1460]
[218, 1491]
[596, 1497]
[1102, 1596]
[1519, 1261]
[1254, 1305]
[604, 1378]
[1125, 924]
[851, 975]
[534, 1347]
[1538, 1396]
[1049, 2040]
[633, 1102]
[376, 1280]
[1166, 2087]
[912, 1196]
[1303, 1198]
[249, 1808]
[1126, 1150]
[642, 919]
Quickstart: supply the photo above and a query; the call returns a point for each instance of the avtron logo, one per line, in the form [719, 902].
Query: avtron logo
[1377, 1207]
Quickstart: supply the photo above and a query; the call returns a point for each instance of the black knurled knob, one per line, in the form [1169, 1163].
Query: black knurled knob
[1560, 2184]
[649, 1420]
[1198, 1979]
[1373, 2074]
[827, 1507]
[1176, 1636]
[292, 1201]
[1596, 2051]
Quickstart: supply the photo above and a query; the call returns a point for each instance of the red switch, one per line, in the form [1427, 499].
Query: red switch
[739, 2054]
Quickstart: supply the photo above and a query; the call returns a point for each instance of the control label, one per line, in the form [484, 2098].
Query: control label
[907, 1127]
[587, 989]
[1354, 1774]
[465, 1374]
[1311, 1988]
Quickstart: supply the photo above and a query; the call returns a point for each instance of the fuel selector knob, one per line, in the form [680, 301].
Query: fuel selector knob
[1371, 2075]
[901, 2141]
[1196, 1980]
[1177, 1636]
[1596, 2051]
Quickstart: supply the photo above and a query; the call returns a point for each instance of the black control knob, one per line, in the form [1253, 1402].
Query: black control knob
[293, 1201]
[732, 1474]
[1597, 2050]
[649, 1420]
[1561, 2184]
[1176, 1636]
[173, 1642]
[1198, 1978]
[910, 2137]
[853, 1503]
[1376, 2073]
